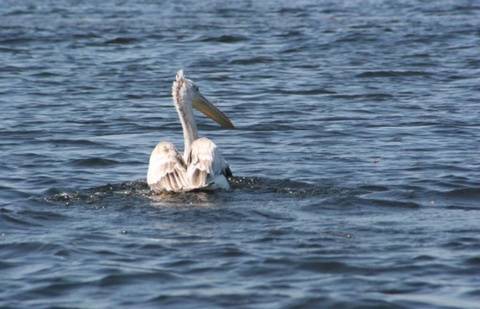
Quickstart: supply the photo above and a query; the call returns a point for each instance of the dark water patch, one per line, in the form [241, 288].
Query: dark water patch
[94, 162]
[291, 34]
[425, 258]
[357, 37]
[312, 302]
[6, 265]
[292, 50]
[325, 266]
[122, 41]
[15, 40]
[366, 96]
[11, 69]
[473, 293]
[373, 188]
[401, 194]
[228, 250]
[16, 12]
[463, 243]
[374, 74]
[47, 216]
[132, 277]
[390, 203]
[46, 74]
[219, 299]
[12, 50]
[306, 92]
[272, 127]
[252, 61]
[341, 118]
[291, 10]
[72, 142]
[269, 215]
[14, 249]
[225, 39]
[463, 193]
[15, 221]
[473, 261]
[85, 35]
[474, 207]
[56, 289]
[12, 193]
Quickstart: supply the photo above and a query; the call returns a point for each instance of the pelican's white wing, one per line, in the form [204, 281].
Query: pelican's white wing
[166, 169]
[206, 167]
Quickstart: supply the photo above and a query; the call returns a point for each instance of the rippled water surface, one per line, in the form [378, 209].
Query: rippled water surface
[356, 154]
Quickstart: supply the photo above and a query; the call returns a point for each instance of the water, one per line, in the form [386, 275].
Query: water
[356, 154]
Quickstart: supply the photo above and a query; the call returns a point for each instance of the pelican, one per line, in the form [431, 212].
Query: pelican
[201, 166]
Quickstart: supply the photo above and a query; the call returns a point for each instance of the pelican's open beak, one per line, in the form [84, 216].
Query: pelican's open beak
[209, 110]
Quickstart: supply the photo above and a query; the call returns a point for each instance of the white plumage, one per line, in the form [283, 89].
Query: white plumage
[202, 166]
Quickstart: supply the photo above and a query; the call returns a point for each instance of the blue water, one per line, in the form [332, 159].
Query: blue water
[356, 154]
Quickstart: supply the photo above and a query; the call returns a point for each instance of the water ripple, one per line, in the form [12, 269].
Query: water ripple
[355, 154]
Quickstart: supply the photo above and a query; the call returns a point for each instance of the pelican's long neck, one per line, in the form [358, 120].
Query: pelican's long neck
[189, 126]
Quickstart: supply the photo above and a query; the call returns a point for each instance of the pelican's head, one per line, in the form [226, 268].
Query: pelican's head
[184, 91]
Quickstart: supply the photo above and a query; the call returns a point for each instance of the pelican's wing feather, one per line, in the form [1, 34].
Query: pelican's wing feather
[166, 169]
[206, 167]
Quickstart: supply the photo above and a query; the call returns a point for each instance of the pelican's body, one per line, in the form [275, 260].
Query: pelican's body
[201, 166]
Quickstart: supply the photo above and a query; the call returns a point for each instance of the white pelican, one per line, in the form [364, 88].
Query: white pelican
[202, 166]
